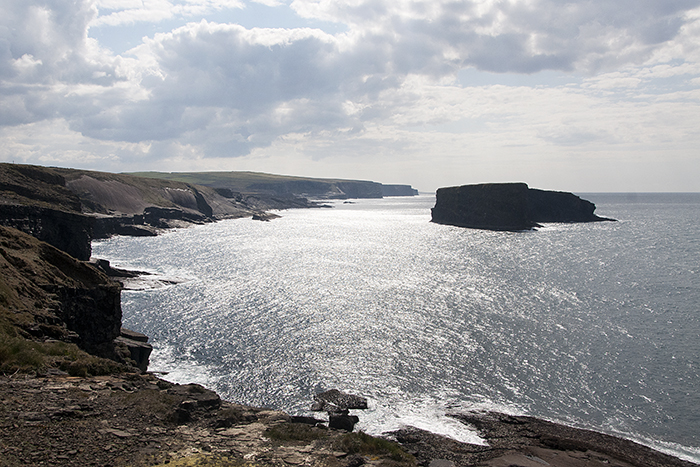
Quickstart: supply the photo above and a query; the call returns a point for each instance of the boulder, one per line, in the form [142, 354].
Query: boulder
[343, 421]
[134, 345]
[337, 401]
[338, 405]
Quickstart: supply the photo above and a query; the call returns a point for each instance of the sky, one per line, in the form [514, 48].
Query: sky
[582, 95]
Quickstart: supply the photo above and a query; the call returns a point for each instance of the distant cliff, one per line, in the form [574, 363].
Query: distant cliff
[36, 201]
[68, 208]
[398, 190]
[264, 185]
[508, 206]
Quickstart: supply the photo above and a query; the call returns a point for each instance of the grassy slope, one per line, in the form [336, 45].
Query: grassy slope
[236, 181]
[29, 270]
[31, 185]
[149, 191]
[104, 192]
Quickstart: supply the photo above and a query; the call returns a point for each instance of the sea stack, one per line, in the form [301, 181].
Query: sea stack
[509, 207]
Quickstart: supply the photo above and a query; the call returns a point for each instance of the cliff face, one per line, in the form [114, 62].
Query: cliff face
[68, 208]
[36, 201]
[559, 206]
[398, 190]
[508, 206]
[493, 206]
[45, 293]
[128, 195]
[66, 231]
[319, 189]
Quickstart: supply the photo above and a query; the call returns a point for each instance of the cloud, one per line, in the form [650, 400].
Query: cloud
[516, 35]
[253, 82]
[45, 54]
[208, 89]
[124, 12]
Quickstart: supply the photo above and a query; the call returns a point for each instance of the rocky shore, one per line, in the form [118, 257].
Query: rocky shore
[132, 419]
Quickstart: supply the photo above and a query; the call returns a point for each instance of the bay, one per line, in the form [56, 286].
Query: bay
[594, 325]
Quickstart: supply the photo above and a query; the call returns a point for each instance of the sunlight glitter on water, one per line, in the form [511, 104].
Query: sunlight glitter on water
[373, 299]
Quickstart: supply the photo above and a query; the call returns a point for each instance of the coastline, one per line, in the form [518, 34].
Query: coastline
[45, 407]
[138, 419]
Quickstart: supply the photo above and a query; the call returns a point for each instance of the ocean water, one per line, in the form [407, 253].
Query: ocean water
[594, 325]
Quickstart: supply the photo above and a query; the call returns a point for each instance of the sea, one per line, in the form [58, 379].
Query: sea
[594, 325]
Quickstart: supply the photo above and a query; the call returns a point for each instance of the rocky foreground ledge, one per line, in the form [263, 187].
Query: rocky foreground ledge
[132, 419]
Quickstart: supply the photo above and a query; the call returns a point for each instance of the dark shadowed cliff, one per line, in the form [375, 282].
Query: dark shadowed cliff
[508, 206]
[37, 201]
[47, 294]
[68, 208]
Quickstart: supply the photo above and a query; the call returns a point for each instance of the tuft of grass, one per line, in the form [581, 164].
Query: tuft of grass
[295, 432]
[19, 355]
[366, 445]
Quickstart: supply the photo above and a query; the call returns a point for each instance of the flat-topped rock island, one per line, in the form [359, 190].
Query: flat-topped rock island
[508, 207]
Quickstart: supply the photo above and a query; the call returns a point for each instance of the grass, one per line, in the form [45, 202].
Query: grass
[366, 445]
[296, 432]
[237, 181]
[19, 355]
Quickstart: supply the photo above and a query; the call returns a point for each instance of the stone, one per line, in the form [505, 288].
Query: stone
[138, 351]
[336, 401]
[343, 421]
[307, 420]
[198, 396]
[133, 335]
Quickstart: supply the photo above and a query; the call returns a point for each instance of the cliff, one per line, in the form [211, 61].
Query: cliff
[264, 185]
[68, 208]
[36, 201]
[508, 206]
[398, 190]
[47, 294]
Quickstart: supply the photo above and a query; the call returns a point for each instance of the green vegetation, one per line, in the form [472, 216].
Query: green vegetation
[20, 355]
[366, 445]
[296, 432]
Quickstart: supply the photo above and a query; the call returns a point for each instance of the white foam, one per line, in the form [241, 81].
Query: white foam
[178, 370]
[427, 415]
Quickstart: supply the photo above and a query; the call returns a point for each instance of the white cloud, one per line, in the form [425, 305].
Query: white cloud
[123, 12]
[207, 91]
[514, 35]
